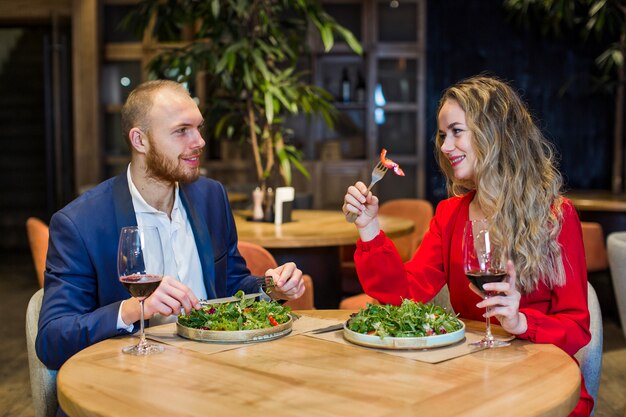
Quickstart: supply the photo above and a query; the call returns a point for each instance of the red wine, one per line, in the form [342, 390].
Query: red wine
[480, 278]
[141, 286]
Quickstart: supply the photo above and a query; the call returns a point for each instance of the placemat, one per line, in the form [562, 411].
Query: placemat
[166, 333]
[433, 355]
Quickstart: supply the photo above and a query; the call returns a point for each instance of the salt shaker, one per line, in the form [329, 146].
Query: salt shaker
[257, 207]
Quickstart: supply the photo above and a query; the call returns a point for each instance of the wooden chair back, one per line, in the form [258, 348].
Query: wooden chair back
[260, 260]
[595, 248]
[420, 211]
[38, 238]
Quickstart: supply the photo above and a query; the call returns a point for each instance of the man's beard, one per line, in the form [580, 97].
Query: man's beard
[159, 167]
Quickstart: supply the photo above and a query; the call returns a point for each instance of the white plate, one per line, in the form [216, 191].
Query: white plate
[403, 343]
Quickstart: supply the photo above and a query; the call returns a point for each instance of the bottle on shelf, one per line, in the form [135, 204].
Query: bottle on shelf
[346, 88]
[360, 89]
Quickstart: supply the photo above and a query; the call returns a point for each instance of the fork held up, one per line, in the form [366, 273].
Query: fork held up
[377, 174]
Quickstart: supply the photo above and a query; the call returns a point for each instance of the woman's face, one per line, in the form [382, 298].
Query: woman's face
[456, 140]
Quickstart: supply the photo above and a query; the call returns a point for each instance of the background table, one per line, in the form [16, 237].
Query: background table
[303, 376]
[312, 241]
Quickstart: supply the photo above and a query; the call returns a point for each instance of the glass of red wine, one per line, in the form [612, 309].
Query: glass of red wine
[483, 262]
[140, 269]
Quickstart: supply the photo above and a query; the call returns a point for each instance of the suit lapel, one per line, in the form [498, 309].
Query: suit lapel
[124, 211]
[204, 244]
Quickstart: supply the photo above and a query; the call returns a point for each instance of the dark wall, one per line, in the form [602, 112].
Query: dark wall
[470, 37]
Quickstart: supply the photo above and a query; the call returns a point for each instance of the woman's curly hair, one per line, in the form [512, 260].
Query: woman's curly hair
[518, 184]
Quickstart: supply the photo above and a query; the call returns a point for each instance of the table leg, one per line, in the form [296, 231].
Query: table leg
[322, 263]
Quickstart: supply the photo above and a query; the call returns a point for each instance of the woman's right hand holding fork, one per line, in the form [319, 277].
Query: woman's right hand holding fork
[362, 202]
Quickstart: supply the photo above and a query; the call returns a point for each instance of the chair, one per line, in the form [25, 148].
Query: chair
[595, 249]
[616, 243]
[420, 211]
[42, 380]
[590, 356]
[38, 239]
[260, 260]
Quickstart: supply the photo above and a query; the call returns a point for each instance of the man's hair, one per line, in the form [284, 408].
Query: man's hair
[136, 110]
[516, 177]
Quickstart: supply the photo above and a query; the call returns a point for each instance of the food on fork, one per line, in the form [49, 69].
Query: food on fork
[390, 164]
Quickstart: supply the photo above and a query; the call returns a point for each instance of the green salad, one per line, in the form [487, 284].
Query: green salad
[237, 315]
[410, 319]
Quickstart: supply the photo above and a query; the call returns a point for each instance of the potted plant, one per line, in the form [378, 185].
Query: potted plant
[248, 50]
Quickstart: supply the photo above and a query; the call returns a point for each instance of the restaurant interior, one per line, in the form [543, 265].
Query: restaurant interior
[67, 66]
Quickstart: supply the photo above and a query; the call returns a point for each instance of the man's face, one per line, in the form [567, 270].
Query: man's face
[175, 141]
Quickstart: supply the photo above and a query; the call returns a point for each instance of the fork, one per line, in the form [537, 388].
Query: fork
[266, 283]
[377, 174]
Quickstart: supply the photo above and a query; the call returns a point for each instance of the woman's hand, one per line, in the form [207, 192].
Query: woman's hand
[288, 281]
[505, 304]
[362, 202]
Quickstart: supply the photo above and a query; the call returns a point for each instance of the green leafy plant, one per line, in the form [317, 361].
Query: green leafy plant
[249, 51]
[606, 20]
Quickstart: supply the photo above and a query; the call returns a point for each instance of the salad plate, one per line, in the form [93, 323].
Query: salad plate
[235, 336]
[411, 325]
[239, 320]
[399, 343]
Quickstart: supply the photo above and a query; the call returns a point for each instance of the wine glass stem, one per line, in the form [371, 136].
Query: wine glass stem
[142, 334]
[488, 335]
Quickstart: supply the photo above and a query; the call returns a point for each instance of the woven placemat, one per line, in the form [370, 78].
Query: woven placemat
[166, 333]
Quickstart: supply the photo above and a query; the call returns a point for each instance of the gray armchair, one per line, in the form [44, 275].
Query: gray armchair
[43, 382]
[590, 356]
[616, 245]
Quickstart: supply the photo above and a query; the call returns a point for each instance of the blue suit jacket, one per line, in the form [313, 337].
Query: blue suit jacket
[82, 294]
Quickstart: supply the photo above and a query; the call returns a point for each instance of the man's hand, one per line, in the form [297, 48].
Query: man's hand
[288, 281]
[170, 297]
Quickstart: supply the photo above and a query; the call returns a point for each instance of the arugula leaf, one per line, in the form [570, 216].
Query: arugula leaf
[237, 315]
[410, 319]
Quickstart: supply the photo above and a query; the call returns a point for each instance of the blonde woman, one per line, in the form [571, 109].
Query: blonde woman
[498, 166]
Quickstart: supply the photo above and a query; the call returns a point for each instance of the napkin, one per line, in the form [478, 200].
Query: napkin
[431, 355]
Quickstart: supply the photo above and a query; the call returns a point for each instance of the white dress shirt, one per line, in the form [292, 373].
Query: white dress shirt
[179, 246]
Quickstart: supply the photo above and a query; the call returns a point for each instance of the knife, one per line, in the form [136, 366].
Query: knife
[230, 299]
[331, 328]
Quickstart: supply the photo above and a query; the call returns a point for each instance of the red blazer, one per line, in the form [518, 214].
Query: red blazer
[559, 316]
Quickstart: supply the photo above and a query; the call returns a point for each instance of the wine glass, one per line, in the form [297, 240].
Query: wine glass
[483, 262]
[140, 269]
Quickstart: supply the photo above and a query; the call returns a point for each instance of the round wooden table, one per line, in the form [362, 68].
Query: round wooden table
[236, 197]
[303, 376]
[312, 241]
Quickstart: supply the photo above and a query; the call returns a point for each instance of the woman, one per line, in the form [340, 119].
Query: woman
[498, 166]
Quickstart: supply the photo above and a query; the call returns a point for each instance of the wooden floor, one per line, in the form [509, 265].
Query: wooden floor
[18, 283]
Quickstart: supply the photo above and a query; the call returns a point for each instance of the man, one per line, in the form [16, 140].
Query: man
[84, 302]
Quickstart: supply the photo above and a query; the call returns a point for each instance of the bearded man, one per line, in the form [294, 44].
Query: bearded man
[84, 302]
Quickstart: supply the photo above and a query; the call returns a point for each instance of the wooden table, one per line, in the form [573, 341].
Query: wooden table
[303, 376]
[312, 241]
[598, 201]
[602, 207]
[236, 197]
